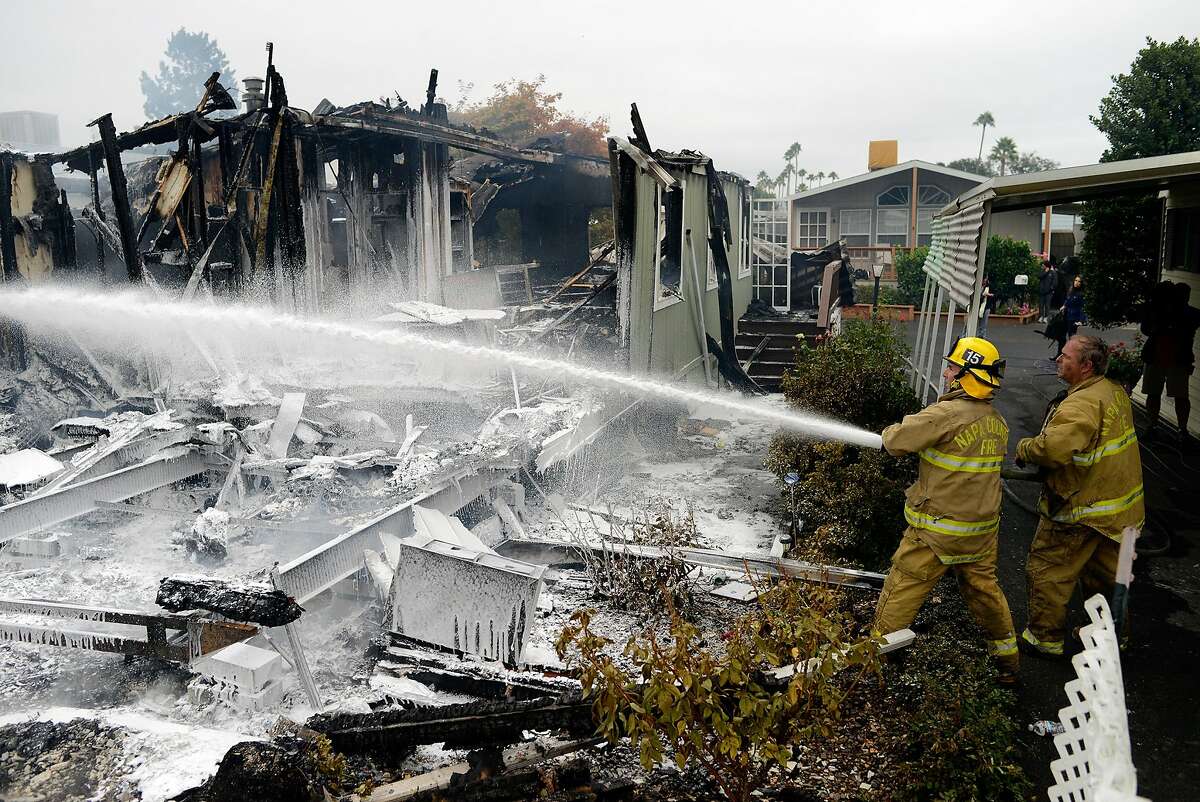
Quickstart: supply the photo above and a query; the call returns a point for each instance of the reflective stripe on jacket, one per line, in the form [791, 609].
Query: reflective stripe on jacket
[1089, 444]
[955, 501]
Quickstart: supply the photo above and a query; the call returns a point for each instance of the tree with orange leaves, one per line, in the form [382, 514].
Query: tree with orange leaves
[520, 110]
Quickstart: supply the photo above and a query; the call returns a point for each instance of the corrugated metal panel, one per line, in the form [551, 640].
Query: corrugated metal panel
[40, 512]
[954, 252]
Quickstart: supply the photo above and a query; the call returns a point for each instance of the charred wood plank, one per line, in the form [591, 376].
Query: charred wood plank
[469, 724]
[605, 250]
[256, 603]
[575, 307]
[431, 93]
[718, 235]
[104, 231]
[8, 246]
[639, 139]
[120, 196]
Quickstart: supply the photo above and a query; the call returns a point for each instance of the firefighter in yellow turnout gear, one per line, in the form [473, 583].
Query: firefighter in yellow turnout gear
[1093, 490]
[953, 509]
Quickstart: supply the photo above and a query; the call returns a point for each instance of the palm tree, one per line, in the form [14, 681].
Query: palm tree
[984, 120]
[833, 176]
[792, 154]
[801, 174]
[785, 179]
[820, 178]
[763, 183]
[1004, 151]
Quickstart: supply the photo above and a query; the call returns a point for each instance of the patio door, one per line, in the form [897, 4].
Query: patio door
[770, 228]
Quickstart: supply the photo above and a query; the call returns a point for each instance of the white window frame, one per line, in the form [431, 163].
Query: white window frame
[663, 299]
[907, 203]
[925, 223]
[771, 207]
[843, 233]
[906, 211]
[743, 241]
[797, 227]
[938, 202]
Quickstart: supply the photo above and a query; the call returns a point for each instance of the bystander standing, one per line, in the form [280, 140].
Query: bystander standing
[1046, 285]
[1170, 325]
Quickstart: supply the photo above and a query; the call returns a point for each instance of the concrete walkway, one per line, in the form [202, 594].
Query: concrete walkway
[1162, 668]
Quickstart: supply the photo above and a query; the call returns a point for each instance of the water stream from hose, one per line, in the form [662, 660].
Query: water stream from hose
[149, 322]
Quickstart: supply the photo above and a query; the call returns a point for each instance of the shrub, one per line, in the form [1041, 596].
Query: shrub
[714, 706]
[1006, 259]
[850, 499]
[858, 376]
[910, 279]
[636, 584]
[956, 740]
[1125, 362]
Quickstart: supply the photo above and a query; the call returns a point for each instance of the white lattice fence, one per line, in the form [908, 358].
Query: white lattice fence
[1095, 762]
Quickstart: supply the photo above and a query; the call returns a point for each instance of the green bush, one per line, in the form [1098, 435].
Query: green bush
[910, 279]
[1006, 259]
[850, 499]
[957, 738]
[858, 377]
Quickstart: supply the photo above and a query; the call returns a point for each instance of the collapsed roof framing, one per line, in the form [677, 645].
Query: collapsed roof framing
[244, 202]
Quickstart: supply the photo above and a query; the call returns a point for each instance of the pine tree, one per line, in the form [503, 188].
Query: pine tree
[189, 59]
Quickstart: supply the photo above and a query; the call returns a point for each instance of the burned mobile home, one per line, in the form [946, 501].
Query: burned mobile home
[381, 534]
[317, 211]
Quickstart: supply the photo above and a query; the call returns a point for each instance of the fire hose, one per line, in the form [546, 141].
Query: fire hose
[1154, 522]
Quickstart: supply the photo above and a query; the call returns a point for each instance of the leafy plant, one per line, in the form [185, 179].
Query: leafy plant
[956, 740]
[1125, 363]
[1152, 110]
[1006, 259]
[715, 706]
[850, 500]
[910, 278]
[519, 110]
[858, 376]
[636, 584]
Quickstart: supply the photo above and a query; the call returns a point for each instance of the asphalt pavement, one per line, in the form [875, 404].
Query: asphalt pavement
[1161, 668]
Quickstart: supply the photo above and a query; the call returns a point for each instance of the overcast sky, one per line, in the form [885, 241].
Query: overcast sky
[739, 81]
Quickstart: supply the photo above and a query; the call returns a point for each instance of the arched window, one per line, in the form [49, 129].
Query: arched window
[930, 195]
[896, 196]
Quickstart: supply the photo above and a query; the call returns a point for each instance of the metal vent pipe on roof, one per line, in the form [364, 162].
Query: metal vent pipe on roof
[253, 98]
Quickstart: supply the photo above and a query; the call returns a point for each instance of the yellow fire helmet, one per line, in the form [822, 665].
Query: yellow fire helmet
[981, 367]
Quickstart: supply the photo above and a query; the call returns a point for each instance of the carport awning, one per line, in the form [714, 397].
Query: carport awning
[954, 252]
[1089, 181]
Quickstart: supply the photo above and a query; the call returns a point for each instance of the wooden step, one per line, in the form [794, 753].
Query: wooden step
[785, 327]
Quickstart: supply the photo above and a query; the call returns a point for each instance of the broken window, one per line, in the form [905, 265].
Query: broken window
[854, 227]
[812, 229]
[668, 266]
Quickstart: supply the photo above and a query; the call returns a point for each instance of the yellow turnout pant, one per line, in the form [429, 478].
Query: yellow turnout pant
[916, 569]
[1060, 555]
